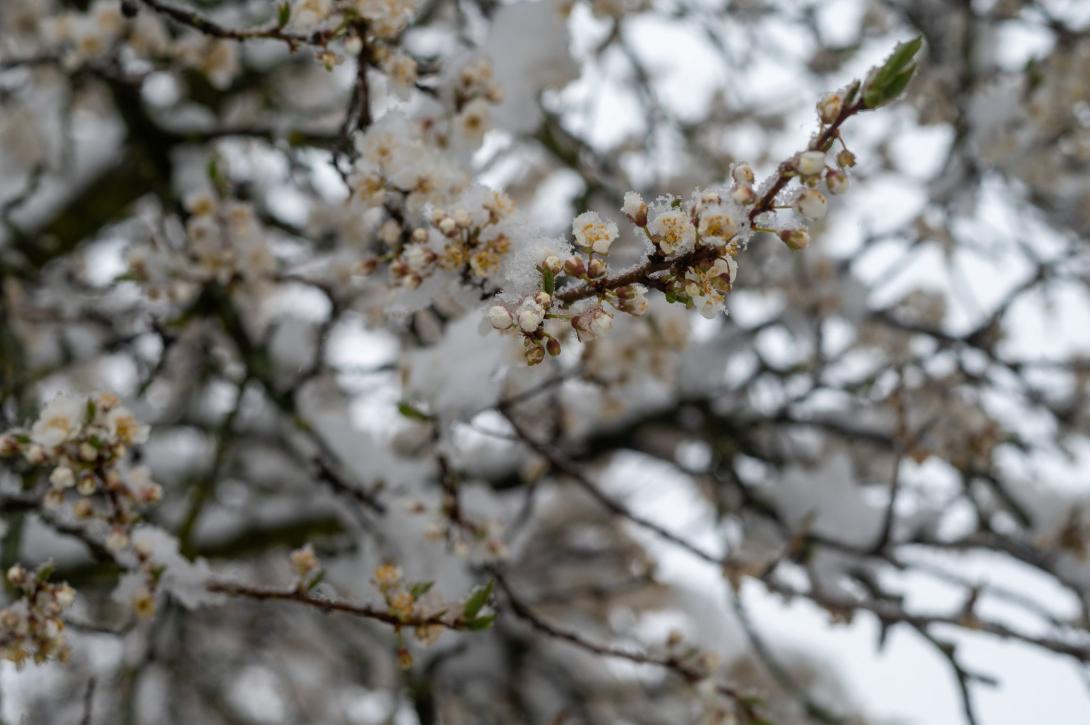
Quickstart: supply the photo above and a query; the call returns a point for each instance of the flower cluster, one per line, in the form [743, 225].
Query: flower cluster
[224, 242]
[32, 628]
[469, 239]
[408, 601]
[385, 18]
[696, 241]
[91, 35]
[80, 445]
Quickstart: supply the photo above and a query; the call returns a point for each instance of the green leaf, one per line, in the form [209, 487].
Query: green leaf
[548, 280]
[852, 92]
[876, 96]
[887, 82]
[283, 14]
[902, 55]
[420, 589]
[45, 571]
[477, 600]
[316, 580]
[215, 175]
[479, 623]
[412, 413]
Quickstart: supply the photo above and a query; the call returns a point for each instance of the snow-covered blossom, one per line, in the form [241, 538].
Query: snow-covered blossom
[474, 120]
[385, 18]
[811, 204]
[810, 163]
[499, 317]
[718, 224]
[635, 208]
[672, 231]
[61, 420]
[306, 15]
[401, 69]
[633, 300]
[836, 181]
[592, 324]
[82, 443]
[592, 232]
[530, 315]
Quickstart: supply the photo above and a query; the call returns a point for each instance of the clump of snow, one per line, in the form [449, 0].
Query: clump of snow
[459, 376]
[528, 62]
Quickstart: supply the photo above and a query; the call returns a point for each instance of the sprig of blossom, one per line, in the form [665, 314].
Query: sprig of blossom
[78, 447]
[32, 627]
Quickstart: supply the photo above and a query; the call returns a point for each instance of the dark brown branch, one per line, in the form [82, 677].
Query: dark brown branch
[332, 605]
[688, 672]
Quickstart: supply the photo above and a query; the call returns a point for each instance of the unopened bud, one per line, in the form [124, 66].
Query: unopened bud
[499, 317]
[810, 163]
[829, 108]
[534, 355]
[743, 175]
[448, 226]
[552, 346]
[836, 181]
[796, 239]
[596, 268]
[845, 159]
[575, 267]
[744, 195]
[635, 208]
[812, 204]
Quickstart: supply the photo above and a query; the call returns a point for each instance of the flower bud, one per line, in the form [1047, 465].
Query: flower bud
[592, 324]
[796, 239]
[530, 315]
[304, 561]
[845, 159]
[811, 203]
[34, 454]
[62, 477]
[575, 267]
[596, 268]
[552, 263]
[829, 108]
[499, 317]
[743, 175]
[635, 208]
[87, 484]
[17, 576]
[744, 195]
[448, 226]
[117, 540]
[552, 346]
[810, 163]
[836, 181]
[535, 355]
